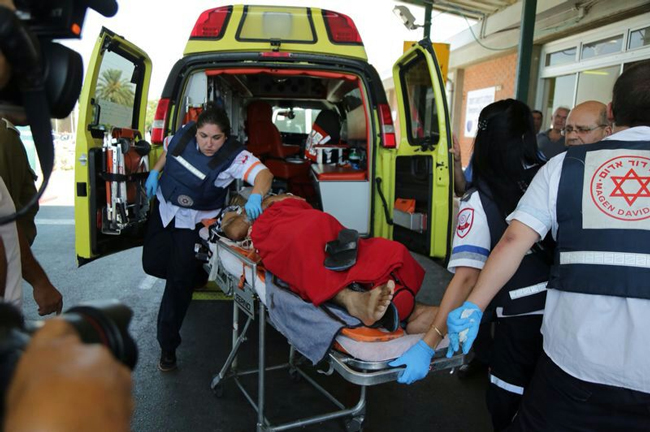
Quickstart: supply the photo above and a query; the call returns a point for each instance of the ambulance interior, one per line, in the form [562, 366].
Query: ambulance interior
[273, 111]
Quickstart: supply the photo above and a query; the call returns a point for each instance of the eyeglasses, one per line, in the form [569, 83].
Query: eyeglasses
[580, 130]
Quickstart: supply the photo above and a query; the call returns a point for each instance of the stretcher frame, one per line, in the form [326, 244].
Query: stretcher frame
[359, 372]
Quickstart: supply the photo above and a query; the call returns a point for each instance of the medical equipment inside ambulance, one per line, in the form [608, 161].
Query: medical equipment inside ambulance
[125, 169]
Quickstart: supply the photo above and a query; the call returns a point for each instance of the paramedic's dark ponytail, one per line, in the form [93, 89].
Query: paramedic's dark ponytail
[216, 116]
[505, 152]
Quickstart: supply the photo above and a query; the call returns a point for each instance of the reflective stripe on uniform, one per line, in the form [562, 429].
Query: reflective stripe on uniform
[623, 259]
[528, 291]
[506, 385]
[191, 168]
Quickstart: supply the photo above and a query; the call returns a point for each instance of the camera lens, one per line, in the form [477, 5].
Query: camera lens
[105, 322]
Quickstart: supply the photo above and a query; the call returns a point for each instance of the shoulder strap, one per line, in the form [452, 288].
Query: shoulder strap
[185, 138]
[230, 147]
[468, 194]
[496, 223]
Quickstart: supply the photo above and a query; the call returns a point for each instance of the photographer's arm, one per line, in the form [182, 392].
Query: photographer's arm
[47, 297]
[61, 384]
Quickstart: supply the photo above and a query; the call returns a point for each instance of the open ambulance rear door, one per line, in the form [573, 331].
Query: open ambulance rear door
[112, 157]
[416, 180]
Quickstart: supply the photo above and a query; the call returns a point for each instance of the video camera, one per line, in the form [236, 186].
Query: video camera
[105, 322]
[46, 76]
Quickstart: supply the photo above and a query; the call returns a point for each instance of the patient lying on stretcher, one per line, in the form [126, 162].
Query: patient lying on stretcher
[290, 237]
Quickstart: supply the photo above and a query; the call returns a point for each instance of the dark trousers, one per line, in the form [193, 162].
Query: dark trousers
[556, 401]
[168, 253]
[515, 351]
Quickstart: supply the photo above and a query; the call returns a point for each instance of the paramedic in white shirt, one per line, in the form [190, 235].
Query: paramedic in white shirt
[505, 161]
[200, 162]
[595, 199]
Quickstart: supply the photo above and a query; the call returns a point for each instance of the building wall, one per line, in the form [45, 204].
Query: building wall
[500, 73]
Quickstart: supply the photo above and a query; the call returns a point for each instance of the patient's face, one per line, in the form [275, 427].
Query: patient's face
[235, 226]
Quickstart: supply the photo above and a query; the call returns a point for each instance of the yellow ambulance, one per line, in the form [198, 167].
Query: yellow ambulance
[276, 69]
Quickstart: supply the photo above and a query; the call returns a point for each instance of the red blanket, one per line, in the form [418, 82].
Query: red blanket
[290, 238]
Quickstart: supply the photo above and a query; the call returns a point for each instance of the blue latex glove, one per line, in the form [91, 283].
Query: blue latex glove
[417, 360]
[151, 185]
[462, 325]
[254, 206]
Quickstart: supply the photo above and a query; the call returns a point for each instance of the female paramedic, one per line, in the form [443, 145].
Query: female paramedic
[203, 160]
[505, 161]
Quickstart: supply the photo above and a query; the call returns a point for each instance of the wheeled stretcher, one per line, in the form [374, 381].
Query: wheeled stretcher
[239, 276]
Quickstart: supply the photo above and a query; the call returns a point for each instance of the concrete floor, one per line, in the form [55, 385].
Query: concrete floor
[183, 401]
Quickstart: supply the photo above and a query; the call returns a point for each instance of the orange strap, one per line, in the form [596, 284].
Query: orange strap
[248, 171]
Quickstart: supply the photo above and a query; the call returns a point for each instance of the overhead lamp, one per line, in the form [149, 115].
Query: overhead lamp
[403, 13]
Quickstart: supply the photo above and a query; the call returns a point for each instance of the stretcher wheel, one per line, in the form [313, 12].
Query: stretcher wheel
[217, 390]
[294, 375]
[355, 424]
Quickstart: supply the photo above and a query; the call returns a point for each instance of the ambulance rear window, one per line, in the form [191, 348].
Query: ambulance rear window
[267, 23]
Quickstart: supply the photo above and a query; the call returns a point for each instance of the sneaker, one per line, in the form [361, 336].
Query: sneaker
[167, 361]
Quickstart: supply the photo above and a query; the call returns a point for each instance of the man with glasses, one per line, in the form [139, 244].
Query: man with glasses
[594, 199]
[587, 124]
[551, 142]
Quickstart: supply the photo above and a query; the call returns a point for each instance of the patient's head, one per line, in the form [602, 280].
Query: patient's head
[275, 198]
[235, 225]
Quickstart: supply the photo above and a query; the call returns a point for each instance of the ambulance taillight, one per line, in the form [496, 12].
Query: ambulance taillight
[388, 139]
[159, 122]
[212, 23]
[341, 28]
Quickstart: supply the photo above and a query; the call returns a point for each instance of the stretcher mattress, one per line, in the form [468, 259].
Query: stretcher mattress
[368, 351]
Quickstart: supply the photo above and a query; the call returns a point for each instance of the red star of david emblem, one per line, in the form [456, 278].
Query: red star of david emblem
[631, 176]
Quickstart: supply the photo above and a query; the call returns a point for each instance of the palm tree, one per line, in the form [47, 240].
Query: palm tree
[113, 88]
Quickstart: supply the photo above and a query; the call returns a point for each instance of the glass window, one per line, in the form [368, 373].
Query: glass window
[560, 93]
[265, 23]
[610, 45]
[561, 57]
[597, 84]
[294, 120]
[419, 103]
[115, 92]
[639, 38]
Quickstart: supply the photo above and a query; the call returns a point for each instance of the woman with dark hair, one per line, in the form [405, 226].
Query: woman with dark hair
[505, 162]
[200, 161]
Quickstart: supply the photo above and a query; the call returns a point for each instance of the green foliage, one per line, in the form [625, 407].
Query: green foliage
[112, 87]
[151, 111]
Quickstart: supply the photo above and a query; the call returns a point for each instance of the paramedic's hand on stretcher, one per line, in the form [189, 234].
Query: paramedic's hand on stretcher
[151, 185]
[254, 206]
[462, 325]
[417, 360]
